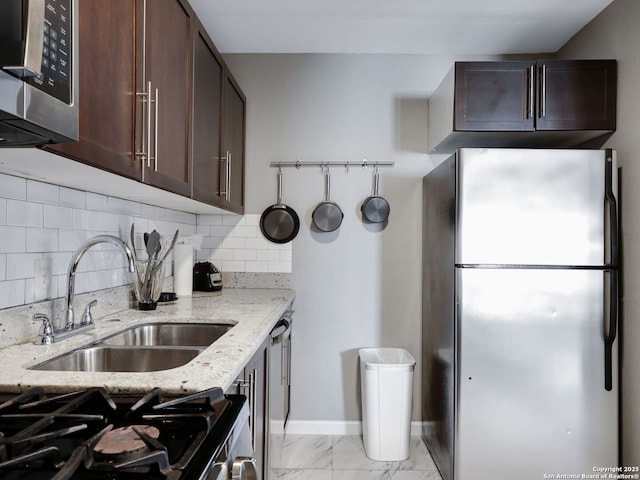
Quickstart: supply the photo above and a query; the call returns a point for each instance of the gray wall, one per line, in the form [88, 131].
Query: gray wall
[615, 34]
[358, 287]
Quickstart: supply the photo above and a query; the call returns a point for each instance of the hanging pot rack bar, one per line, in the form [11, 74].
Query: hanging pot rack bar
[299, 164]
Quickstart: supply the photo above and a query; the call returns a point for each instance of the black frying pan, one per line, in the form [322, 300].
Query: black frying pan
[279, 223]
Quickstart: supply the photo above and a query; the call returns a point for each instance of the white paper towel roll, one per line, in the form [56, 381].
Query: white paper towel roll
[183, 269]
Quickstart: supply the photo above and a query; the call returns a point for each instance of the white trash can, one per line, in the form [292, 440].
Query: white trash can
[386, 376]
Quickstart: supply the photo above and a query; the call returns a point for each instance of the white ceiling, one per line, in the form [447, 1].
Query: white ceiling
[430, 27]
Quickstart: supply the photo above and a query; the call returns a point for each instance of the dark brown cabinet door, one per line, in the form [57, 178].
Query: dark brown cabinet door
[207, 122]
[253, 384]
[167, 60]
[107, 80]
[576, 95]
[233, 145]
[494, 96]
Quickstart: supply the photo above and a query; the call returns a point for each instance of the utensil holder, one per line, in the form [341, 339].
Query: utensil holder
[148, 284]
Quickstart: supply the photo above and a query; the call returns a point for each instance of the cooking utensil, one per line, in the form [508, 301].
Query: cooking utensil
[375, 209]
[279, 223]
[327, 216]
[153, 245]
[133, 243]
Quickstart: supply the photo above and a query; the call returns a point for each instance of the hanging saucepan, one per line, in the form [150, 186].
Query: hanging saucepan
[327, 216]
[279, 223]
[375, 209]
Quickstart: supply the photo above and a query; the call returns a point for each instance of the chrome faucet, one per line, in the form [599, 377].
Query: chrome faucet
[48, 334]
[71, 274]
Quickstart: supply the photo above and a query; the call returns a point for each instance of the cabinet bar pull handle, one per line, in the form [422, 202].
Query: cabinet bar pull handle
[226, 193]
[530, 73]
[254, 410]
[543, 102]
[149, 123]
[228, 176]
[155, 138]
[143, 153]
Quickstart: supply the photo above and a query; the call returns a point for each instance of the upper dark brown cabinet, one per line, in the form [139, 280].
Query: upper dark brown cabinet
[135, 91]
[576, 95]
[166, 89]
[553, 103]
[207, 121]
[233, 141]
[218, 130]
[107, 79]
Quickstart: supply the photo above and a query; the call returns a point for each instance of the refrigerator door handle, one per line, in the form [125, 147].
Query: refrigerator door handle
[610, 333]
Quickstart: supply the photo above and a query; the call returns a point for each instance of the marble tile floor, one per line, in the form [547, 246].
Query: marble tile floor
[330, 457]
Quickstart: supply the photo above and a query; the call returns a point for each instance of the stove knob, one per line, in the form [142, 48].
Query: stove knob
[244, 468]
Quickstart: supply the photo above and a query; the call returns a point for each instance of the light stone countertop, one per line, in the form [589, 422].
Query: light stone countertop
[253, 311]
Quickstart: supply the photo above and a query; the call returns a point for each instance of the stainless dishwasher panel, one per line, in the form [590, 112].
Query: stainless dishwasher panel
[279, 389]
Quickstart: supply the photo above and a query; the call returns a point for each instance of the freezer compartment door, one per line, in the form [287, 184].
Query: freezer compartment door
[531, 207]
[531, 398]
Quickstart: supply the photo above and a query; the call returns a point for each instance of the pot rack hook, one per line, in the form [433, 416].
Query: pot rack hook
[298, 163]
[364, 163]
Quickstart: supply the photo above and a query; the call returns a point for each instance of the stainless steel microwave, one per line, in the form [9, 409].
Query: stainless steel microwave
[38, 72]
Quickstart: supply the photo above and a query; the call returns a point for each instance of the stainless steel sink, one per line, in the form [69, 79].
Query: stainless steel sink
[120, 359]
[170, 334]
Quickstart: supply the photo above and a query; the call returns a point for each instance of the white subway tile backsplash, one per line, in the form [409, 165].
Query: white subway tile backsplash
[13, 187]
[41, 240]
[252, 220]
[59, 262]
[70, 240]
[279, 267]
[257, 266]
[233, 266]
[221, 231]
[107, 222]
[95, 201]
[24, 214]
[85, 219]
[70, 197]
[21, 265]
[3, 211]
[12, 239]
[42, 192]
[234, 242]
[207, 219]
[12, 293]
[233, 220]
[221, 254]
[245, 231]
[244, 254]
[58, 217]
[268, 255]
[44, 222]
[127, 207]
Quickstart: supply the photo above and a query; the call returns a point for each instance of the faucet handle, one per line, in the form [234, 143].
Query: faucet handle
[46, 335]
[87, 318]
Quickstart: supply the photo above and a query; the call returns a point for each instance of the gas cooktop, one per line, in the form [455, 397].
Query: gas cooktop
[90, 434]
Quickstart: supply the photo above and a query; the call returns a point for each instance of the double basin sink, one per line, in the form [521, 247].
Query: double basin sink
[147, 347]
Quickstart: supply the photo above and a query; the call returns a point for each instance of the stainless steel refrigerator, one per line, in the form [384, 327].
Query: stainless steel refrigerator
[520, 312]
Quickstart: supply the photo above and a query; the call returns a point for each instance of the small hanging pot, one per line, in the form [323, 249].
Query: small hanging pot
[327, 216]
[375, 209]
[279, 223]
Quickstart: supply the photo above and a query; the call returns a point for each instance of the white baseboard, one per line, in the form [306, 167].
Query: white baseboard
[319, 427]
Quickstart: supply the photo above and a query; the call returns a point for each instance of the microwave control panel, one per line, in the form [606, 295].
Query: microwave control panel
[56, 71]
